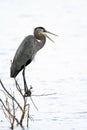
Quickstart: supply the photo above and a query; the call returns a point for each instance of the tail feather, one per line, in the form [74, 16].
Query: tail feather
[15, 69]
[13, 72]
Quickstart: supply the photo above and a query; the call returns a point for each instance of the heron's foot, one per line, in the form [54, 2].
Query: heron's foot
[28, 92]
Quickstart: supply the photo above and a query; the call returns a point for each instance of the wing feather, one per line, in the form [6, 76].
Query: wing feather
[24, 55]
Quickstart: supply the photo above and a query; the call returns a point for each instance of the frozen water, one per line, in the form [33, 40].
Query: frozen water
[59, 68]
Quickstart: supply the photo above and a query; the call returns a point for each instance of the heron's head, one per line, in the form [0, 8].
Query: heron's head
[39, 32]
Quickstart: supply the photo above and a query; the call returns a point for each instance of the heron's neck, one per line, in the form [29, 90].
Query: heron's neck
[41, 42]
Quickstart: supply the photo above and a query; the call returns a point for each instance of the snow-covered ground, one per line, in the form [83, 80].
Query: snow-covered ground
[60, 67]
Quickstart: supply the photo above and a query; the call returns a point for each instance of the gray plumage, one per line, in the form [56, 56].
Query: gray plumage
[27, 50]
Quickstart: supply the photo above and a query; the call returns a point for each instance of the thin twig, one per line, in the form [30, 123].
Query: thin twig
[11, 96]
[18, 88]
[44, 94]
[28, 115]
[8, 111]
[34, 104]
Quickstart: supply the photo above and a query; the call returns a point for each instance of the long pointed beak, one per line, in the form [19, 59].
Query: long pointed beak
[47, 32]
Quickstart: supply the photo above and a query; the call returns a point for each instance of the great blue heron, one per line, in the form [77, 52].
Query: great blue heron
[26, 52]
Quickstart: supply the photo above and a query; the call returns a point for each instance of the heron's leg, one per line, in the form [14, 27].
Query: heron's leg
[25, 84]
[26, 90]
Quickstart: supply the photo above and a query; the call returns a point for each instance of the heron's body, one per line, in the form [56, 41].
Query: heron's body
[25, 53]
[27, 50]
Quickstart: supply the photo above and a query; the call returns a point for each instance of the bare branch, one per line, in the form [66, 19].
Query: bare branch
[11, 96]
[18, 88]
[28, 116]
[45, 94]
[7, 110]
[34, 104]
